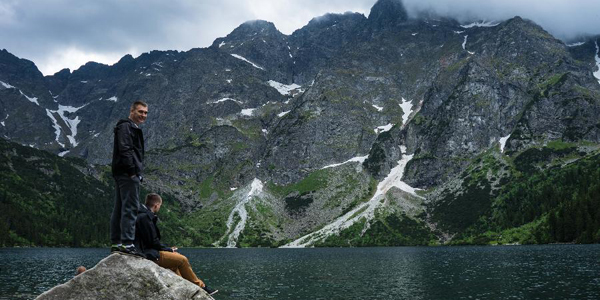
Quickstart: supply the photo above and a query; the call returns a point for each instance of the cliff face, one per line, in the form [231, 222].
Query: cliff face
[284, 109]
[126, 277]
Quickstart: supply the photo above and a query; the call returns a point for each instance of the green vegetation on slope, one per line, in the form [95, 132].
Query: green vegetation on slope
[46, 201]
[394, 229]
[200, 228]
[558, 204]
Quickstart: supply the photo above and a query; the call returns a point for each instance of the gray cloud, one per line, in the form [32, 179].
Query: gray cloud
[67, 33]
[565, 19]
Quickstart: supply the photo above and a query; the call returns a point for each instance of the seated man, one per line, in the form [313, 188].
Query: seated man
[147, 240]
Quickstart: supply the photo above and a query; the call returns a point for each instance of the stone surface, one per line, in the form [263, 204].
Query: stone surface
[126, 277]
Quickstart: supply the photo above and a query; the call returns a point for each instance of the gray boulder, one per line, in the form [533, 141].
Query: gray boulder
[126, 277]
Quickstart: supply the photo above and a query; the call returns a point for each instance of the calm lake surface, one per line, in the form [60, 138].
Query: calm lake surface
[503, 272]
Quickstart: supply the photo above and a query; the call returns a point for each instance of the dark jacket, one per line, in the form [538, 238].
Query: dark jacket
[147, 235]
[128, 149]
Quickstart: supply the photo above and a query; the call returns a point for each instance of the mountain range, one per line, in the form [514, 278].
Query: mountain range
[352, 131]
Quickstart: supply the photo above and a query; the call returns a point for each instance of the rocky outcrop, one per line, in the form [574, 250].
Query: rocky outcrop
[126, 277]
[388, 13]
[260, 104]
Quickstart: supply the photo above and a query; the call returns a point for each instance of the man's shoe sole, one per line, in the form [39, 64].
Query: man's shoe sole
[129, 254]
[121, 251]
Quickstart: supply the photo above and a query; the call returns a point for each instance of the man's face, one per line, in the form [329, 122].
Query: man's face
[138, 114]
[156, 207]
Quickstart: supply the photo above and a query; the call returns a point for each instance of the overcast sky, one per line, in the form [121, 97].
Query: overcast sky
[57, 34]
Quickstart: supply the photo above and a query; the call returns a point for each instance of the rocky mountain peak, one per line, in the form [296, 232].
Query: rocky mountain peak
[257, 25]
[253, 28]
[125, 59]
[517, 20]
[388, 12]
[249, 31]
[89, 72]
[524, 25]
[63, 73]
[58, 81]
[11, 64]
[331, 19]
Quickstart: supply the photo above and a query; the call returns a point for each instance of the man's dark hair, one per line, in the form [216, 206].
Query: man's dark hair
[153, 199]
[139, 102]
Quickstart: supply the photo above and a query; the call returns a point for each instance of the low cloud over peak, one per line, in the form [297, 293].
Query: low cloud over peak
[566, 20]
[68, 33]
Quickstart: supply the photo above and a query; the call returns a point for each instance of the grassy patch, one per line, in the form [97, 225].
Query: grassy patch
[314, 181]
[560, 145]
[385, 230]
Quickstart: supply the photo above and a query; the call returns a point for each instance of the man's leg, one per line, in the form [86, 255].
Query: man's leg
[115, 219]
[129, 189]
[180, 265]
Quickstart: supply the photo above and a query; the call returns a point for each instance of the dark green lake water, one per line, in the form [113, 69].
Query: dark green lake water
[505, 272]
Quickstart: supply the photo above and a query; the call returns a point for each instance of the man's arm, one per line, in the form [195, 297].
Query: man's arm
[125, 146]
[148, 233]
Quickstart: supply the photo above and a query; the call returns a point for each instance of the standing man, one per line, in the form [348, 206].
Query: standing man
[127, 166]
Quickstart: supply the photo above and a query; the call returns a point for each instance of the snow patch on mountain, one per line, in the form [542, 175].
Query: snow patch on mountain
[283, 113]
[70, 123]
[56, 127]
[284, 89]
[464, 45]
[575, 44]
[359, 159]
[31, 99]
[378, 108]
[407, 110]
[248, 112]
[365, 210]
[480, 24]
[244, 59]
[113, 99]
[256, 188]
[225, 99]
[597, 57]
[384, 128]
[62, 154]
[6, 85]
[502, 142]
[5, 118]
